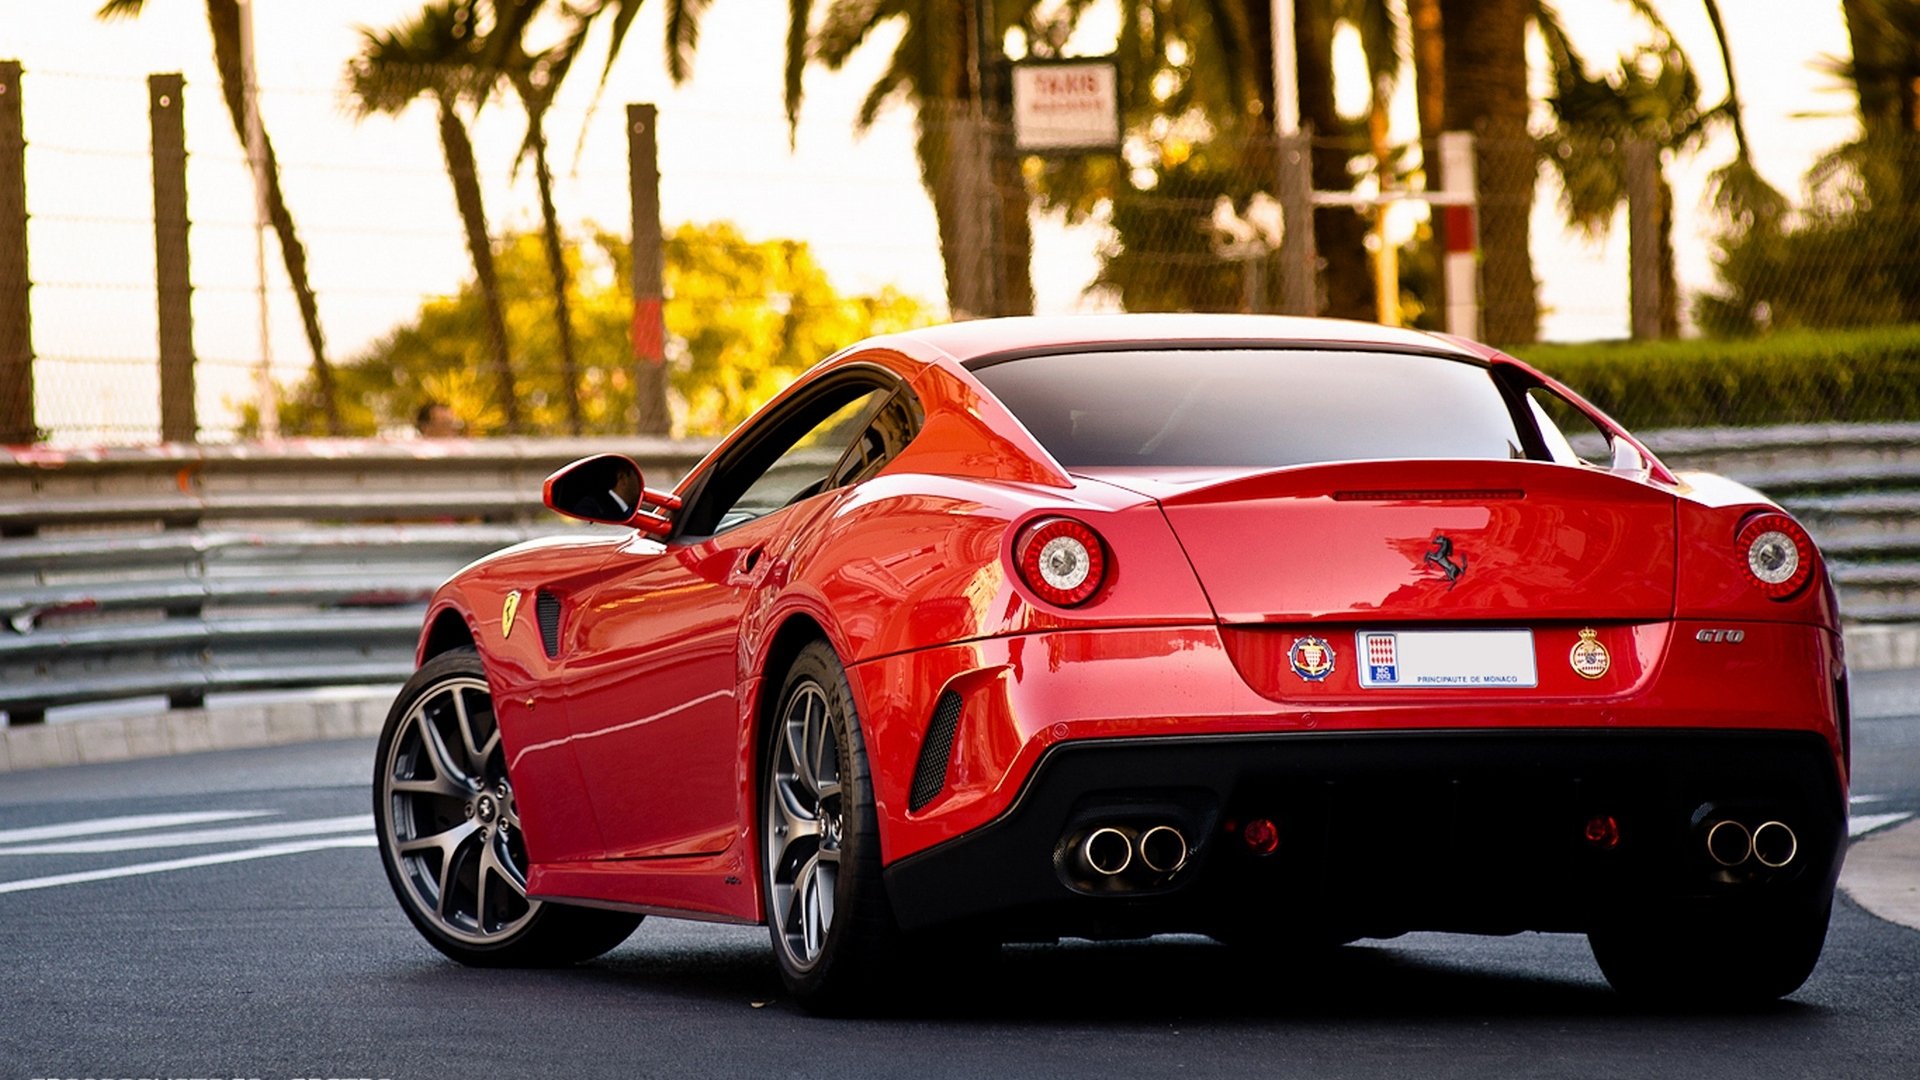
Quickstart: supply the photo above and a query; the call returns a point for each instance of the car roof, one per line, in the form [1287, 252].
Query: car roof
[962, 342]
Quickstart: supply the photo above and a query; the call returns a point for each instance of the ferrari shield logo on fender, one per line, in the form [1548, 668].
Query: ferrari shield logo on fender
[508, 610]
[1589, 657]
[1311, 657]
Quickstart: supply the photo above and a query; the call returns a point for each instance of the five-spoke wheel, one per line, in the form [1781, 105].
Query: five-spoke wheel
[449, 830]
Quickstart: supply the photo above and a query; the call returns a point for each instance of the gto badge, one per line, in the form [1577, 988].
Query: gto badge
[1589, 657]
[507, 611]
[1311, 657]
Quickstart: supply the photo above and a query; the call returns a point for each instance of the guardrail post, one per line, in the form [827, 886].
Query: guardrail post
[16, 320]
[165, 109]
[649, 274]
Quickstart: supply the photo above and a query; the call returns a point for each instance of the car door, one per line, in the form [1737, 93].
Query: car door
[656, 677]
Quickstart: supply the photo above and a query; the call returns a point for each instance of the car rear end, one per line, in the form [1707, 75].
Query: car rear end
[1449, 675]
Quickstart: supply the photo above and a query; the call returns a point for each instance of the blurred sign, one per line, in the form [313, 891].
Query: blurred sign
[1065, 105]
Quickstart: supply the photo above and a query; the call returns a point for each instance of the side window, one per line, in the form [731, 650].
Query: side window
[794, 457]
[1571, 435]
[897, 422]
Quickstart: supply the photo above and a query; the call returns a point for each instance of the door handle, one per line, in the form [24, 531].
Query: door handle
[749, 568]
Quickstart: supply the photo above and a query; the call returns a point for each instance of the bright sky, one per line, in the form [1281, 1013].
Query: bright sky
[373, 205]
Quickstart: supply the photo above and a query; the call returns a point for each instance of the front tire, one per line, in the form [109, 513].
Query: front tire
[832, 928]
[1736, 960]
[449, 830]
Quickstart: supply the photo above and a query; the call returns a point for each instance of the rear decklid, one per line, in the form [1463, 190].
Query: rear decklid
[1421, 541]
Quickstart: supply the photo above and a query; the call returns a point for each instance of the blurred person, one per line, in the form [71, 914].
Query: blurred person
[437, 420]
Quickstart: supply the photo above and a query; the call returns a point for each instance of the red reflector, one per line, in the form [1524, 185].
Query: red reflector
[1262, 836]
[1603, 832]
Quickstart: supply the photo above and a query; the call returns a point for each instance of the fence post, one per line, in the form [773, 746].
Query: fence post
[1644, 231]
[1299, 262]
[173, 281]
[649, 274]
[1460, 264]
[16, 317]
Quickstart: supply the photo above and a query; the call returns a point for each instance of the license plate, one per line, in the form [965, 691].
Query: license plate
[1445, 659]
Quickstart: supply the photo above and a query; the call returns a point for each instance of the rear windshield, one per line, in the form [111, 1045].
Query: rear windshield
[1258, 407]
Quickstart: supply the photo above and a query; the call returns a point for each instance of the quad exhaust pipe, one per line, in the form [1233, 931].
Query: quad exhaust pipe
[1107, 851]
[1110, 851]
[1772, 844]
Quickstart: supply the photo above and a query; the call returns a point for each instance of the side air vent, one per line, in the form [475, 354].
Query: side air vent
[930, 774]
[546, 608]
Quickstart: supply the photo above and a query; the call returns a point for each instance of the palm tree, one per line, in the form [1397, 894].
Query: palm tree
[223, 20]
[963, 161]
[1484, 69]
[432, 55]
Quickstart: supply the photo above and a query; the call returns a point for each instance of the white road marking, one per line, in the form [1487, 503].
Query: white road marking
[140, 869]
[362, 823]
[1862, 824]
[1858, 799]
[127, 823]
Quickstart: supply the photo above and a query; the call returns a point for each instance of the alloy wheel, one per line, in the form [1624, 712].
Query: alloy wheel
[805, 824]
[452, 827]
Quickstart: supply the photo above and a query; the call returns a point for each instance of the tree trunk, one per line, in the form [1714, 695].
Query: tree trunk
[461, 170]
[1338, 233]
[223, 19]
[1890, 122]
[1430, 97]
[557, 266]
[1485, 72]
[955, 149]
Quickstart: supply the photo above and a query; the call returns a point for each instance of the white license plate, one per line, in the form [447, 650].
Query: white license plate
[1444, 659]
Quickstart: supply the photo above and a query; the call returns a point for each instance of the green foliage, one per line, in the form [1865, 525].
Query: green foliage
[743, 320]
[1800, 377]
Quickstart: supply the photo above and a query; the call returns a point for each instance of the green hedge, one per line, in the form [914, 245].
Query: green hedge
[1804, 376]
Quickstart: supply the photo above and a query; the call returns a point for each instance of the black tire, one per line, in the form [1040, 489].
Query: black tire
[451, 840]
[836, 967]
[1739, 960]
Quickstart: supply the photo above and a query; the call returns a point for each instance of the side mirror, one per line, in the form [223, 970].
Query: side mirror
[604, 488]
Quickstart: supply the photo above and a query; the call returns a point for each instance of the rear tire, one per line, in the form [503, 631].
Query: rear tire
[833, 930]
[449, 831]
[1736, 961]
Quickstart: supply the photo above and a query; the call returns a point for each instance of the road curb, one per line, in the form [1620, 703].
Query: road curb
[1882, 874]
[336, 715]
[1883, 647]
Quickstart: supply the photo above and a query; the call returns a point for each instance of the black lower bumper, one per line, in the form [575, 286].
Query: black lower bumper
[1378, 834]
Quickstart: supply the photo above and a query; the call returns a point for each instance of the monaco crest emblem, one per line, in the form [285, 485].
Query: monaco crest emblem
[1589, 657]
[1311, 657]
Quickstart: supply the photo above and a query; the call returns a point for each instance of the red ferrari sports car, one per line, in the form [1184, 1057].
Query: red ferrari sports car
[1286, 631]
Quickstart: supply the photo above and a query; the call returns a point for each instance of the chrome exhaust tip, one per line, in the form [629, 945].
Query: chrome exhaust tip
[1729, 843]
[1107, 851]
[1163, 849]
[1774, 844]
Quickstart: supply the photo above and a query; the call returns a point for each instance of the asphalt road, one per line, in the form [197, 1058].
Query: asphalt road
[258, 938]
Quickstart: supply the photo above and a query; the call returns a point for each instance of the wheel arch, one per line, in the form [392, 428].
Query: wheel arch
[446, 629]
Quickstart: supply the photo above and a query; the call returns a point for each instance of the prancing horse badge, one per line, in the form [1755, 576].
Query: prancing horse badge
[508, 610]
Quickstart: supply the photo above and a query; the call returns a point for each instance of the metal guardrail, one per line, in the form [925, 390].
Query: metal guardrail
[1855, 486]
[184, 570]
[181, 571]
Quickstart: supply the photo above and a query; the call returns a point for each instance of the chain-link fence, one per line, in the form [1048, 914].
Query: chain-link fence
[424, 293]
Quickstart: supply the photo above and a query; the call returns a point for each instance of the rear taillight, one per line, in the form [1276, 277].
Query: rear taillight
[1778, 554]
[1061, 560]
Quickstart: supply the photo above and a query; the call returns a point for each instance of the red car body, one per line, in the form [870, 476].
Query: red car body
[1181, 693]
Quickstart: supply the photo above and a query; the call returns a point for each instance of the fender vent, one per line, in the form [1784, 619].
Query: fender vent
[546, 608]
[930, 774]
